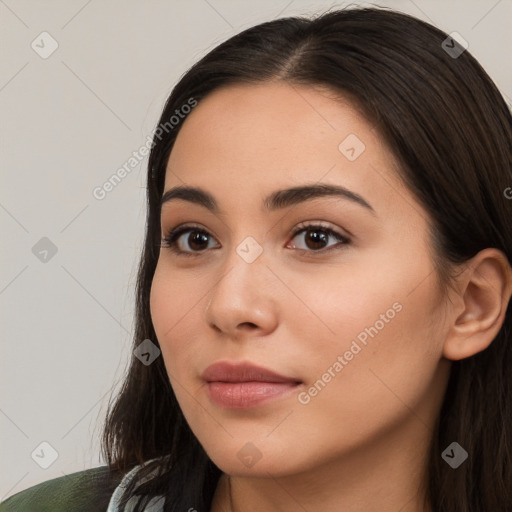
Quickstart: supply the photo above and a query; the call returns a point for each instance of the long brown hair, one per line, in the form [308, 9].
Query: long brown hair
[450, 129]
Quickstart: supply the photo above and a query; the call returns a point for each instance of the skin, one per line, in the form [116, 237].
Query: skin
[363, 439]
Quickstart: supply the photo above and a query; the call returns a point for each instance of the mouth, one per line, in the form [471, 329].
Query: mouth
[244, 385]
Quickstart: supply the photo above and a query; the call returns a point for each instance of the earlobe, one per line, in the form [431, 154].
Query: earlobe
[485, 289]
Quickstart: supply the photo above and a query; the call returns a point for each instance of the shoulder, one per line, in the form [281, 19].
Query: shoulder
[84, 491]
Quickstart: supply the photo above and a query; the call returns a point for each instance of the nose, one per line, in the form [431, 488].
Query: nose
[244, 301]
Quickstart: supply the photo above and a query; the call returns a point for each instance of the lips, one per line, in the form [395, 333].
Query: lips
[246, 386]
[243, 372]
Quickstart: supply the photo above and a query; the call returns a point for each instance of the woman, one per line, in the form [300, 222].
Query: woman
[323, 317]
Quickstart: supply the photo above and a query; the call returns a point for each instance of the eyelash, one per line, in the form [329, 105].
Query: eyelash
[173, 235]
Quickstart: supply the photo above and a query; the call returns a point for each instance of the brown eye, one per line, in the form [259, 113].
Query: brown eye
[316, 238]
[196, 241]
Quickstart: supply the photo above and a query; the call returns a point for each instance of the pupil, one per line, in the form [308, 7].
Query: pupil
[197, 238]
[316, 239]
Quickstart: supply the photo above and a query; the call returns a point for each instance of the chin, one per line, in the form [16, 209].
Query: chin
[259, 458]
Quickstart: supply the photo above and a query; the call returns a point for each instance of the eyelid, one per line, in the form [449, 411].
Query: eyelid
[343, 240]
[170, 239]
[319, 224]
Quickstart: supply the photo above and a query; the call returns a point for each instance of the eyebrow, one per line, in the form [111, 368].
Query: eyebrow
[278, 200]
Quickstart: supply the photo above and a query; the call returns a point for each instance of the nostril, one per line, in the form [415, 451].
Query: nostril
[248, 324]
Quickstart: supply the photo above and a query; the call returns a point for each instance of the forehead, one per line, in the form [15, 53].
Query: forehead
[272, 119]
[253, 139]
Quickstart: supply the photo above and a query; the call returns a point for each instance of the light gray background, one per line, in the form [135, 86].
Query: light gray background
[68, 122]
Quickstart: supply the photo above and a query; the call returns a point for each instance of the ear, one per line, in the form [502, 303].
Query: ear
[479, 308]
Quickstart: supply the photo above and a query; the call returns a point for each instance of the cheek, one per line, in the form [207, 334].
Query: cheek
[172, 312]
[387, 367]
[371, 340]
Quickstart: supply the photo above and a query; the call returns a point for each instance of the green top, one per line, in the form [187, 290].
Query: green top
[84, 491]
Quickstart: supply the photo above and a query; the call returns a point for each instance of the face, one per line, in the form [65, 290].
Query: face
[334, 293]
